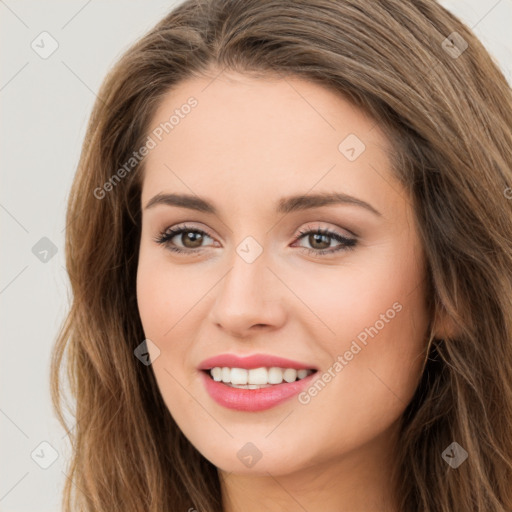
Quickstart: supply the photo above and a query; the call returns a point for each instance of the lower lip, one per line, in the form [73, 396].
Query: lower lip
[253, 400]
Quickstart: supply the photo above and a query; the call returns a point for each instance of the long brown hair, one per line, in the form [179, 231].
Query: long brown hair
[447, 110]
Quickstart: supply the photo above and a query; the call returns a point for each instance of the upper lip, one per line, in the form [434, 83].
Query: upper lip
[252, 361]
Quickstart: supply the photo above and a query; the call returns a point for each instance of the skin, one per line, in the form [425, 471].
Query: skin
[248, 143]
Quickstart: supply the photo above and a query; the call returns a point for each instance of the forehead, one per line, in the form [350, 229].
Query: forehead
[254, 137]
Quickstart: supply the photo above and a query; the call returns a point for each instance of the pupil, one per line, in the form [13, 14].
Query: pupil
[193, 237]
[317, 238]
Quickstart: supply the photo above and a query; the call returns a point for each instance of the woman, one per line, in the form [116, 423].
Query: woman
[219, 358]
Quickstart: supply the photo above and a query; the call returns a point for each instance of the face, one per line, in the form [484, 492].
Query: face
[333, 286]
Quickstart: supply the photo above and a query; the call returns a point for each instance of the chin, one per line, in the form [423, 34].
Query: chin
[248, 459]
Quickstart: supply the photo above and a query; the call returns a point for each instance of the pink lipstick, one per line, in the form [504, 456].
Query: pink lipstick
[254, 383]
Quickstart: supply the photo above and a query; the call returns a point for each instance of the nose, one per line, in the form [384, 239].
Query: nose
[249, 298]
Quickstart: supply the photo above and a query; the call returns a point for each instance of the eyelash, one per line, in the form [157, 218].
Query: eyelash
[165, 237]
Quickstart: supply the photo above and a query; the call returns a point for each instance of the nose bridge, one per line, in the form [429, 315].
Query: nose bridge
[248, 293]
[248, 277]
[249, 258]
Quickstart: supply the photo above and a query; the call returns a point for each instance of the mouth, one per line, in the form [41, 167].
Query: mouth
[255, 389]
[257, 378]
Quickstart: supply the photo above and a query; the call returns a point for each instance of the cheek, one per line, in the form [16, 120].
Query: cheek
[370, 387]
[171, 302]
[153, 298]
[164, 293]
[161, 303]
[377, 322]
[374, 296]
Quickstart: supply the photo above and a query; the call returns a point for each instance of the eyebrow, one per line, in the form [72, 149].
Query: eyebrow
[285, 205]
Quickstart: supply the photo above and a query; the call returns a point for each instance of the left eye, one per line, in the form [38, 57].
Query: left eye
[322, 236]
[194, 238]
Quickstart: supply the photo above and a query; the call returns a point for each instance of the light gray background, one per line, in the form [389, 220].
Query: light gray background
[45, 104]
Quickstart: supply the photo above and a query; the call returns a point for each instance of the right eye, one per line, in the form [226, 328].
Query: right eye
[194, 237]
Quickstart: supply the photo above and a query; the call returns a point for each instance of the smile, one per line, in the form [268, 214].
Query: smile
[257, 378]
[254, 382]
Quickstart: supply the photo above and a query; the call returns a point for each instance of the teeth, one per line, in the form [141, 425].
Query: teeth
[302, 373]
[275, 375]
[290, 375]
[216, 373]
[249, 386]
[239, 376]
[256, 377]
